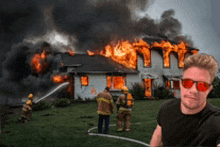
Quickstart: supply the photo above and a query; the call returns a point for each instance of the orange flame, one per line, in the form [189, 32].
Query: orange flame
[147, 87]
[59, 78]
[167, 84]
[38, 62]
[143, 48]
[195, 52]
[90, 53]
[72, 53]
[123, 53]
[109, 82]
[118, 82]
[168, 48]
[84, 80]
[126, 53]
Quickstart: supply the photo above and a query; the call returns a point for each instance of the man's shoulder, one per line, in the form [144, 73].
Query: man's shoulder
[214, 109]
[107, 94]
[103, 93]
[213, 114]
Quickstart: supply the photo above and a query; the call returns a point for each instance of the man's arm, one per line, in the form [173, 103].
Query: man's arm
[156, 139]
[112, 105]
[96, 99]
[118, 103]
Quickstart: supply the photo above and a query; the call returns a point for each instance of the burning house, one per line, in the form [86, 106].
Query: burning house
[90, 44]
[152, 65]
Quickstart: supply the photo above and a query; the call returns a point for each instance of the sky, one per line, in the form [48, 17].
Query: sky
[199, 18]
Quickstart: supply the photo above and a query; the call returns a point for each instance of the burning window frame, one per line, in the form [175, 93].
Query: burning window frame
[172, 84]
[167, 84]
[110, 82]
[145, 60]
[83, 79]
[176, 84]
[148, 88]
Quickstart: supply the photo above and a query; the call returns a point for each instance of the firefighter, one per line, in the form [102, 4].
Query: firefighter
[26, 112]
[105, 109]
[30, 97]
[124, 105]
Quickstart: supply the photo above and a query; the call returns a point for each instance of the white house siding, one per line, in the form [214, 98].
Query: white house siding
[157, 69]
[97, 81]
[132, 79]
[174, 71]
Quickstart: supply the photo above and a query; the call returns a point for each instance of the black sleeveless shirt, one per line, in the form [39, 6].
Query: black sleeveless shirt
[178, 129]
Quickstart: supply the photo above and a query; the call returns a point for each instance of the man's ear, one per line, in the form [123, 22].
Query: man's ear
[210, 88]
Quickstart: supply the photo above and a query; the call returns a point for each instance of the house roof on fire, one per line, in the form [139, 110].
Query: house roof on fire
[84, 63]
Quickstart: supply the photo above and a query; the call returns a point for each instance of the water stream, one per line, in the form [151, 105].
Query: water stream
[60, 86]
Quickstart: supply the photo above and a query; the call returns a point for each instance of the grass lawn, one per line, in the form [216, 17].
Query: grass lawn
[68, 127]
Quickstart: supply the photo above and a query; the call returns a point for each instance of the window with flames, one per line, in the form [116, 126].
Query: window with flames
[84, 80]
[174, 84]
[115, 82]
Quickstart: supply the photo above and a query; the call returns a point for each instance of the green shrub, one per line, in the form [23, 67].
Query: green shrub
[63, 102]
[215, 93]
[42, 105]
[137, 91]
[163, 93]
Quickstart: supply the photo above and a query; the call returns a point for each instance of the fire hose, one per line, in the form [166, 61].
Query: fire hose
[60, 86]
[117, 137]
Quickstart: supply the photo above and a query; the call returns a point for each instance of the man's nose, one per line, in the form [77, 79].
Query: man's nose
[193, 88]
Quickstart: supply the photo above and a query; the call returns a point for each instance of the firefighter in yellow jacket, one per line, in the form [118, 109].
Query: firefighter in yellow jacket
[26, 112]
[105, 109]
[124, 105]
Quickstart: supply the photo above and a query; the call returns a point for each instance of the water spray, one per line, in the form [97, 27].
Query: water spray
[60, 86]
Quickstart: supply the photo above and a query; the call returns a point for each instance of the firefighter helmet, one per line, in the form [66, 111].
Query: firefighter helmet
[29, 102]
[124, 88]
[31, 96]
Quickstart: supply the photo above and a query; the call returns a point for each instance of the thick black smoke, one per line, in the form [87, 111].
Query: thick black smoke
[93, 23]
[17, 73]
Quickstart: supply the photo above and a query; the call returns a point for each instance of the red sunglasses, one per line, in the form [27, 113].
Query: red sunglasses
[201, 86]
